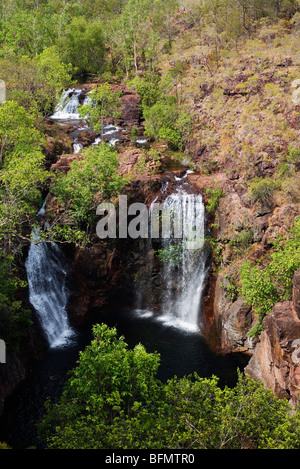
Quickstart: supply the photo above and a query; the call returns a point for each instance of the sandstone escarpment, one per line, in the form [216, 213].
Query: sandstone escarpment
[276, 358]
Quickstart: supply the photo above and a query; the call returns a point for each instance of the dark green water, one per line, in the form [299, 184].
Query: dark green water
[181, 352]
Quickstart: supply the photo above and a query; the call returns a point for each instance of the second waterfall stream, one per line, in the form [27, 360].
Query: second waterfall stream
[183, 270]
[187, 263]
[48, 294]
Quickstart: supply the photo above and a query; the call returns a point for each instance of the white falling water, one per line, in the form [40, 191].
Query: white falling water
[184, 259]
[46, 274]
[67, 107]
[77, 147]
[184, 270]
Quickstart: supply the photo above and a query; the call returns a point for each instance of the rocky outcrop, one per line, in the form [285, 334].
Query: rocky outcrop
[276, 358]
[63, 163]
[58, 141]
[130, 107]
[232, 319]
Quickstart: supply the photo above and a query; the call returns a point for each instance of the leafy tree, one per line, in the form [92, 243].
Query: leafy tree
[166, 122]
[91, 180]
[132, 37]
[110, 381]
[113, 400]
[35, 83]
[83, 45]
[28, 32]
[149, 89]
[103, 9]
[21, 173]
[104, 104]
[163, 19]
[263, 287]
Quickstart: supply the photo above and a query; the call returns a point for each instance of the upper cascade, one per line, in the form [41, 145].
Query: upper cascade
[67, 107]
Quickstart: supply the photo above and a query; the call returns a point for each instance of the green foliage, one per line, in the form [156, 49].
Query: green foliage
[262, 190]
[109, 384]
[243, 239]
[215, 196]
[83, 45]
[148, 87]
[91, 180]
[293, 158]
[21, 173]
[171, 255]
[231, 287]
[265, 285]
[4, 446]
[35, 83]
[104, 103]
[14, 319]
[165, 122]
[113, 400]
[28, 32]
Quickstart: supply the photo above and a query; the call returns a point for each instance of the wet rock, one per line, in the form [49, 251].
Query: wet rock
[86, 137]
[57, 143]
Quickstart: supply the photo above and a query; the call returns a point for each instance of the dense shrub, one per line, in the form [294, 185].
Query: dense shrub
[269, 281]
[113, 400]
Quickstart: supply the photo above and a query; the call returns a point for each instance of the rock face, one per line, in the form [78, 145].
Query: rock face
[276, 358]
[58, 141]
[130, 110]
[15, 370]
[104, 273]
[63, 164]
[230, 319]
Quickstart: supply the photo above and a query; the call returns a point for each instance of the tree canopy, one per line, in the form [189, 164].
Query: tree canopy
[113, 400]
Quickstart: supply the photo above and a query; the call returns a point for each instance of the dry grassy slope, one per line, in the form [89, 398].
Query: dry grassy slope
[245, 122]
[245, 118]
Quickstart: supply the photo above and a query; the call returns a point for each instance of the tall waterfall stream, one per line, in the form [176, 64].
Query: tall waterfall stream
[46, 273]
[174, 333]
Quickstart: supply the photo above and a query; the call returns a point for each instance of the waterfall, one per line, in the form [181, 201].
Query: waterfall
[184, 262]
[46, 274]
[184, 267]
[77, 147]
[67, 107]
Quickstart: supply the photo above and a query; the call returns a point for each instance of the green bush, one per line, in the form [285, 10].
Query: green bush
[215, 196]
[262, 190]
[113, 400]
[270, 281]
[95, 173]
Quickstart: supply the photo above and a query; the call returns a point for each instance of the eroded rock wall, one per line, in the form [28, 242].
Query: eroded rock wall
[276, 357]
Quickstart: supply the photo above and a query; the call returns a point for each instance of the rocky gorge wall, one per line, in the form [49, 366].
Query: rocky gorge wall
[274, 355]
[104, 275]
